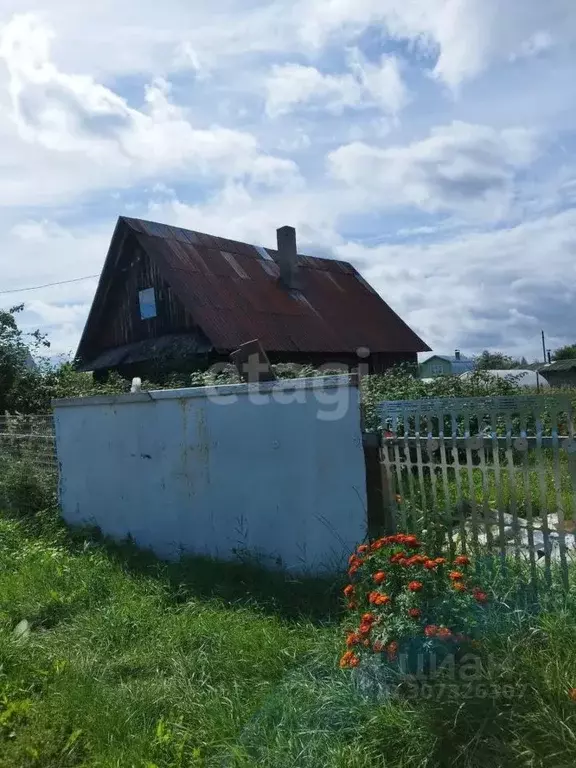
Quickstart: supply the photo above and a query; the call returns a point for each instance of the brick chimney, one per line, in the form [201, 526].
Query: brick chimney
[287, 257]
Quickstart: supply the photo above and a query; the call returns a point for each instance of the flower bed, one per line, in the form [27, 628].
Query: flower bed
[413, 611]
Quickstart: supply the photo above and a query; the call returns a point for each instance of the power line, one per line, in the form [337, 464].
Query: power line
[48, 285]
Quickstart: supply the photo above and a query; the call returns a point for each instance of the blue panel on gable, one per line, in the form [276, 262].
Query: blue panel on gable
[147, 304]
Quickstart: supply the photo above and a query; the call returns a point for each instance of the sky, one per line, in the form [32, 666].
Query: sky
[429, 142]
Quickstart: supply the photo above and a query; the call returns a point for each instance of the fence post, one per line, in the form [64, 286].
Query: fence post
[378, 492]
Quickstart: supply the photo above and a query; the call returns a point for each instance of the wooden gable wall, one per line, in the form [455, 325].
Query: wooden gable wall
[121, 322]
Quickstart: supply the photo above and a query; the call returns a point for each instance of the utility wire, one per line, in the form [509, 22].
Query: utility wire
[48, 285]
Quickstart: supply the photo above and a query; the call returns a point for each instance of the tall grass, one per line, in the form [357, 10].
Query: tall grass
[128, 661]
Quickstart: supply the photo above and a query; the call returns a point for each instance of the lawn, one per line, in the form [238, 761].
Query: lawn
[525, 488]
[129, 662]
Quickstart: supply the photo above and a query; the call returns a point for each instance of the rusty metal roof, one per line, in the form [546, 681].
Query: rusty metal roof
[233, 292]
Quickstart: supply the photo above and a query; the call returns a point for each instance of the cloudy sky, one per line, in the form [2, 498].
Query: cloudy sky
[430, 142]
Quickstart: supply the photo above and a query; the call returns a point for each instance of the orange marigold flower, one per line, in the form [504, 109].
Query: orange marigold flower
[415, 586]
[444, 633]
[459, 586]
[379, 577]
[352, 605]
[430, 565]
[392, 650]
[412, 542]
[369, 618]
[480, 596]
[365, 628]
[572, 694]
[345, 658]
[377, 647]
[414, 613]
[349, 590]
[455, 575]
[431, 630]
[378, 544]
[353, 639]
[440, 561]
[462, 560]
[397, 557]
[362, 549]
[375, 598]
[349, 659]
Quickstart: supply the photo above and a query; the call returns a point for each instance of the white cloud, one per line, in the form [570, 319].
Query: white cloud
[478, 290]
[112, 143]
[82, 140]
[460, 167]
[467, 35]
[365, 85]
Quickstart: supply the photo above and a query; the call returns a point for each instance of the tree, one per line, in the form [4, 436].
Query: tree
[565, 353]
[497, 361]
[16, 380]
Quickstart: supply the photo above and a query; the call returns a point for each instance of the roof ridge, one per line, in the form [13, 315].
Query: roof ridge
[167, 233]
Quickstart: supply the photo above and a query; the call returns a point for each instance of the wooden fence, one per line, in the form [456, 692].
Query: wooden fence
[495, 476]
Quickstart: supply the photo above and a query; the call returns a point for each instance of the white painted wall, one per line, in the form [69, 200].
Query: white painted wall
[276, 469]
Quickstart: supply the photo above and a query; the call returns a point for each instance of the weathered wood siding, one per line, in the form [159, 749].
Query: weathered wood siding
[122, 323]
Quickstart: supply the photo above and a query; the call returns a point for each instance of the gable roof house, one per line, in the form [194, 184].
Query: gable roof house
[183, 300]
[445, 365]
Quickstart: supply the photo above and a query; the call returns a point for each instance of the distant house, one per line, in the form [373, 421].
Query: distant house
[179, 300]
[562, 373]
[445, 365]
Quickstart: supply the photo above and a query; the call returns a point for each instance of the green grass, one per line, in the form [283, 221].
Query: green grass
[524, 490]
[133, 662]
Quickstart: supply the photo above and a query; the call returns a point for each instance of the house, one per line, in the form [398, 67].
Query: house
[562, 373]
[179, 300]
[445, 365]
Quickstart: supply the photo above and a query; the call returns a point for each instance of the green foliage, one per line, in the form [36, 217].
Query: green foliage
[400, 384]
[13, 354]
[565, 353]
[497, 361]
[406, 603]
[25, 488]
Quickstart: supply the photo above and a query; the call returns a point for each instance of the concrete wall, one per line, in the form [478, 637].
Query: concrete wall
[276, 469]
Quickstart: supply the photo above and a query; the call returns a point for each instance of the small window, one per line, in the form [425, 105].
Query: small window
[147, 303]
[437, 370]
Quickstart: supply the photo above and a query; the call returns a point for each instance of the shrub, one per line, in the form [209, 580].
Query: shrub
[412, 609]
[25, 488]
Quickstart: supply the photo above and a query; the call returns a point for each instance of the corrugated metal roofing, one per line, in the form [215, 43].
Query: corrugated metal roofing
[234, 295]
[559, 365]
